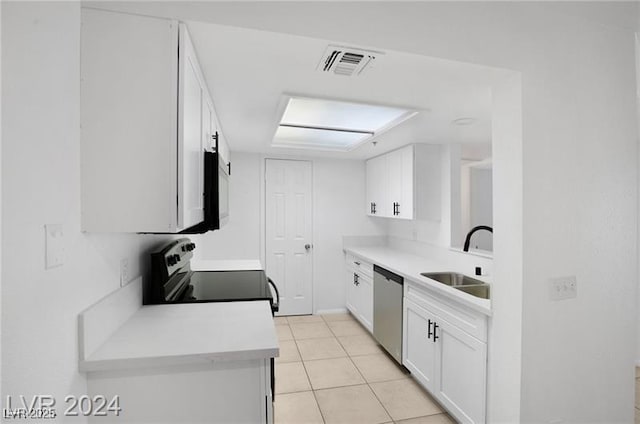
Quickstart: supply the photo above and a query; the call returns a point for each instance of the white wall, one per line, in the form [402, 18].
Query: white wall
[41, 185]
[638, 123]
[338, 210]
[482, 207]
[575, 211]
[0, 202]
[240, 237]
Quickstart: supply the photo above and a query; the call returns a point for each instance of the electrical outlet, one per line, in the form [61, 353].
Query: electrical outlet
[563, 288]
[54, 245]
[124, 271]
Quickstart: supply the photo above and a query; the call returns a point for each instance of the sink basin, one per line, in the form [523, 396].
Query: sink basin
[481, 290]
[452, 279]
[461, 282]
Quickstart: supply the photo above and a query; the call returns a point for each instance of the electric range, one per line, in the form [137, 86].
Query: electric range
[173, 281]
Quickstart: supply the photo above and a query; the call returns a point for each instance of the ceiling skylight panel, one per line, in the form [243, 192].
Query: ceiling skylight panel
[333, 114]
[317, 138]
[333, 125]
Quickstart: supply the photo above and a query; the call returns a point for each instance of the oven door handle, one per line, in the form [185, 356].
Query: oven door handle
[276, 304]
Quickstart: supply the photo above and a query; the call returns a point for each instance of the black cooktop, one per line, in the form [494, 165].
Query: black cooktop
[172, 280]
[223, 286]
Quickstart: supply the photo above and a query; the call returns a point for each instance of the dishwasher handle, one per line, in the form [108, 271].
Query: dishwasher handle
[388, 274]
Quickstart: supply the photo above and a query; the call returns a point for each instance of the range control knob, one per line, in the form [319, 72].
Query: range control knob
[176, 257]
[171, 260]
[190, 247]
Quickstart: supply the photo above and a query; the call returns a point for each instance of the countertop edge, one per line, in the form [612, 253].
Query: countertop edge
[422, 281]
[118, 364]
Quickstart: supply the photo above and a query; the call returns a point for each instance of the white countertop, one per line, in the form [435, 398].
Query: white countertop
[161, 335]
[226, 265]
[410, 266]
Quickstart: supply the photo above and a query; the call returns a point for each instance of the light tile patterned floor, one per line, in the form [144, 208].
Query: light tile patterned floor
[331, 370]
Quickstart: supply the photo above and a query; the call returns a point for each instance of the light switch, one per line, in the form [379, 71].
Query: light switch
[54, 245]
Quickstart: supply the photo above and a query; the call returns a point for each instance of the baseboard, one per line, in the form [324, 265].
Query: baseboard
[331, 311]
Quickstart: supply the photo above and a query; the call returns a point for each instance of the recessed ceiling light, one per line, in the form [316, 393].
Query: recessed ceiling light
[464, 121]
[320, 124]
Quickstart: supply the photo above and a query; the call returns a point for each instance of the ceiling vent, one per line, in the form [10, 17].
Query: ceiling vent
[346, 61]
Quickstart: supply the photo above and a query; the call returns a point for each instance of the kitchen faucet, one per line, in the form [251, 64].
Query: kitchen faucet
[467, 240]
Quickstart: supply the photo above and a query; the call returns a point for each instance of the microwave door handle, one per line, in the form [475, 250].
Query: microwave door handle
[276, 305]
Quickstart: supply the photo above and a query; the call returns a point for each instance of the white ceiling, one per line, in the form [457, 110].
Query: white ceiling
[249, 71]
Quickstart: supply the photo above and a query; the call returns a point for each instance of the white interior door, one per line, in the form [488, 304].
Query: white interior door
[288, 233]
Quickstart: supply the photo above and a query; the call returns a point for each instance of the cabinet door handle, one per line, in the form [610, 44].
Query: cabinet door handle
[374, 208]
[356, 262]
[435, 335]
[429, 326]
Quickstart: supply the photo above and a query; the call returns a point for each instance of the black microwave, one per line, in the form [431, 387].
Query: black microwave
[215, 196]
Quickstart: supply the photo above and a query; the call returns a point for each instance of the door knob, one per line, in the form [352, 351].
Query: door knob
[307, 247]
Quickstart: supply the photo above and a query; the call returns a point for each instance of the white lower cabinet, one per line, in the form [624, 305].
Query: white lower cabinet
[365, 311]
[449, 362]
[359, 291]
[419, 350]
[462, 366]
[210, 392]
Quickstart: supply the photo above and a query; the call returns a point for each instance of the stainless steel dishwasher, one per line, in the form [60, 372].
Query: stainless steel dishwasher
[387, 310]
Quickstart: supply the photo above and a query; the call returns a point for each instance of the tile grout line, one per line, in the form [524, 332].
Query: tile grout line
[369, 383]
[312, 389]
[350, 357]
[365, 380]
[380, 401]
[304, 367]
[357, 370]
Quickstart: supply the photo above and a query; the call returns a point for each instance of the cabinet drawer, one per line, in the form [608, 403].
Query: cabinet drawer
[469, 321]
[359, 265]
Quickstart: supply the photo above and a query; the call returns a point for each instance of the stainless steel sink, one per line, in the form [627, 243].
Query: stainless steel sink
[452, 279]
[461, 282]
[481, 290]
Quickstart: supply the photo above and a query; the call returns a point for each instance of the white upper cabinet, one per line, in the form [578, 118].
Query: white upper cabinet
[192, 108]
[405, 183]
[400, 177]
[146, 119]
[377, 203]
